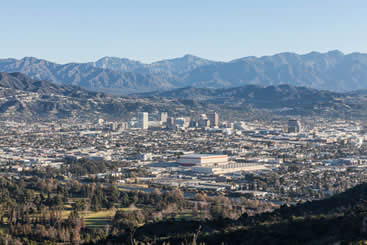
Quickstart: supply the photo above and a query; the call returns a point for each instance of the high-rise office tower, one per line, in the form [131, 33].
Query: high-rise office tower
[171, 123]
[294, 126]
[143, 120]
[214, 119]
[164, 116]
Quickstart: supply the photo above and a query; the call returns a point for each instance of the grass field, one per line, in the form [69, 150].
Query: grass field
[91, 219]
[98, 219]
[102, 218]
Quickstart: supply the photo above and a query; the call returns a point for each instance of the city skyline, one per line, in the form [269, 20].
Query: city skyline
[183, 122]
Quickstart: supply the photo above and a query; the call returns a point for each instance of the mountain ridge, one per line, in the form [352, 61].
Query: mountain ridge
[331, 70]
[24, 98]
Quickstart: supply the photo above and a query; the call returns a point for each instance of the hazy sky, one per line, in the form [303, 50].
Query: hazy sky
[150, 30]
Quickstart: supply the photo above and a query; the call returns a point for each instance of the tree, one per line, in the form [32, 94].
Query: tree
[128, 220]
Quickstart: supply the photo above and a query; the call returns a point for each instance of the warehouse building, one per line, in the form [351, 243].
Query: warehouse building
[203, 160]
[216, 164]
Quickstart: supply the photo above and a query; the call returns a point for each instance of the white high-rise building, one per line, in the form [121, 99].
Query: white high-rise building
[164, 117]
[143, 120]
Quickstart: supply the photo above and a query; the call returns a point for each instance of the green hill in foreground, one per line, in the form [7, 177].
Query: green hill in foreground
[336, 220]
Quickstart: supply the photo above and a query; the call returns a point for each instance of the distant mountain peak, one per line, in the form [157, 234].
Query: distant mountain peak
[186, 57]
[114, 58]
[191, 56]
[31, 59]
[335, 52]
[332, 70]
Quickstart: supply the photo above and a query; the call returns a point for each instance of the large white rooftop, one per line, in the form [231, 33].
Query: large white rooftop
[202, 156]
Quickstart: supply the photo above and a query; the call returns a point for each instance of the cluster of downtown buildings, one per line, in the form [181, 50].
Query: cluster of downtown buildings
[210, 120]
[204, 153]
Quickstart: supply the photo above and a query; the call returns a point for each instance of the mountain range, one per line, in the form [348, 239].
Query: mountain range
[333, 71]
[24, 98]
[281, 99]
